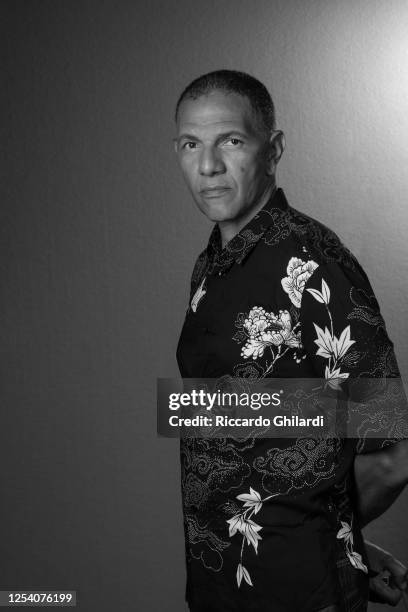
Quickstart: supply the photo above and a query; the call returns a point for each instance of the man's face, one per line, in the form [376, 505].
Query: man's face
[223, 154]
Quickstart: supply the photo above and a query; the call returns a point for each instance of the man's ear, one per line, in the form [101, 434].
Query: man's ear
[175, 144]
[276, 146]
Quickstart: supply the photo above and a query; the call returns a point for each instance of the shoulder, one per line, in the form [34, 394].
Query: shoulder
[321, 242]
[332, 256]
[306, 247]
[339, 309]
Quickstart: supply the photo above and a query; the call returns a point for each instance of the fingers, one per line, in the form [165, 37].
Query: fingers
[398, 571]
[385, 593]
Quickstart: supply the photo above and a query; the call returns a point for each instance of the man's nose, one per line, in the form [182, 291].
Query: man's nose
[211, 162]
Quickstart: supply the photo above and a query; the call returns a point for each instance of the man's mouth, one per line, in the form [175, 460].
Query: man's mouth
[214, 192]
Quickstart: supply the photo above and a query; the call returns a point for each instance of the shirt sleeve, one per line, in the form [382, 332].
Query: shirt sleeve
[345, 338]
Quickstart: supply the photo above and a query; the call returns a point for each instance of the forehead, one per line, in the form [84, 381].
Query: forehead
[217, 110]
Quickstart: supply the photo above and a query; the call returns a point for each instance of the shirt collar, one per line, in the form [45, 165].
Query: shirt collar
[239, 247]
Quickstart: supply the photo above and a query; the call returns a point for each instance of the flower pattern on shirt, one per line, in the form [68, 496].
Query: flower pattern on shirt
[298, 273]
[264, 330]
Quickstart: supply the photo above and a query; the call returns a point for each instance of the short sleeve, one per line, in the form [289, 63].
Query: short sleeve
[345, 338]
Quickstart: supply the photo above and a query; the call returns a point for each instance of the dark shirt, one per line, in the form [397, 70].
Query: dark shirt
[270, 523]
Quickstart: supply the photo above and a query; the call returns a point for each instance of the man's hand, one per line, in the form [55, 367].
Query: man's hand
[391, 579]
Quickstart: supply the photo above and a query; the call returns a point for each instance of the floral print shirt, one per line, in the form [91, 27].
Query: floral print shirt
[270, 522]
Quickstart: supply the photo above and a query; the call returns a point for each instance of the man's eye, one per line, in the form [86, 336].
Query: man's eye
[235, 142]
[189, 145]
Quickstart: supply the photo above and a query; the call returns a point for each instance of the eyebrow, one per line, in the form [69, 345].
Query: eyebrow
[218, 139]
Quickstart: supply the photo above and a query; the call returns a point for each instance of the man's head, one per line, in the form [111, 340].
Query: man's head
[232, 81]
[227, 145]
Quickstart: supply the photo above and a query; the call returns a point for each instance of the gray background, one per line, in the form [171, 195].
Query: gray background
[98, 239]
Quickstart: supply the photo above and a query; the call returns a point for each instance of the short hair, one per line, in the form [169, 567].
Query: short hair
[233, 81]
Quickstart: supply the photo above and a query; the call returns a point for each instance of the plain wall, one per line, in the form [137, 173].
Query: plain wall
[99, 236]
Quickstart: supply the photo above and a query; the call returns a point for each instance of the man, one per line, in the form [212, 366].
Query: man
[275, 293]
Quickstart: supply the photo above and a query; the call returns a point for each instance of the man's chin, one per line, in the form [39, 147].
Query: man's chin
[216, 212]
[218, 217]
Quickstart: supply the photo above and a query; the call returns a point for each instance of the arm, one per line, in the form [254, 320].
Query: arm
[351, 341]
[380, 477]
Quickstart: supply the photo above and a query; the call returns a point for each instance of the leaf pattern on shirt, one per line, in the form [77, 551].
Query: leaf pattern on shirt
[199, 294]
[243, 524]
[345, 533]
[334, 349]
[330, 346]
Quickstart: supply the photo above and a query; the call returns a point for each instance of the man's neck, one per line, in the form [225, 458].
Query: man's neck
[229, 229]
